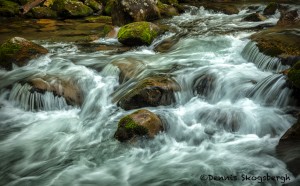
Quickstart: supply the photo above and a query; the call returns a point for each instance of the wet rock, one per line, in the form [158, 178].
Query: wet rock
[270, 9]
[8, 8]
[150, 92]
[71, 8]
[138, 33]
[139, 123]
[43, 12]
[129, 68]
[253, 7]
[19, 51]
[294, 75]
[224, 8]
[97, 7]
[288, 148]
[278, 41]
[166, 44]
[65, 88]
[126, 11]
[167, 10]
[289, 18]
[255, 17]
[204, 85]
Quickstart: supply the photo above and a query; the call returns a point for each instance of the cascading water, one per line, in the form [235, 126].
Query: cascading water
[251, 53]
[226, 122]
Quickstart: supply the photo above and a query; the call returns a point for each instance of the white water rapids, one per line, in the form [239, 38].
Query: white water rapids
[226, 121]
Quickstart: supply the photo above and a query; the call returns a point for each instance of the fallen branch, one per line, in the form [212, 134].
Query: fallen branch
[28, 6]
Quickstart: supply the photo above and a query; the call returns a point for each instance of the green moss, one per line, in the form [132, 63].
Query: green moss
[43, 12]
[93, 4]
[131, 126]
[128, 122]
[71, 8]
[137, 33]
[107, 29]
[8, 8]
[294, 75]
[7, 51]
[108, 7]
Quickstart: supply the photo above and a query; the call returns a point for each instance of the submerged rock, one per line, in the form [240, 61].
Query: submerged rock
[71, 8]
[139, 123]
[129, 67]
[288, 148]
[126, 11]
[138, 33]
[150, 92]
[167, 44]
[255, 17]
[8, 8]
[19, 51]
[99, 19]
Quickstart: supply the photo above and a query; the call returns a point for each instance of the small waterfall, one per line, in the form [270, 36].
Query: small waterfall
[31, 100]
[251, 53]
[272, 90]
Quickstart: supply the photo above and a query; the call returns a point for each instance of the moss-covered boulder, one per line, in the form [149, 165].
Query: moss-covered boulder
[294, 75]
[228, 9]
[255, 17]
[8, 8]
[129, 68]
[71, 8]
[139, 123]
[150, 92]
[43, 12]
[138, 33]
[19, 51]
[96, 6]
[288, 148]
[126, 11]
[289, 18]
[270, 9]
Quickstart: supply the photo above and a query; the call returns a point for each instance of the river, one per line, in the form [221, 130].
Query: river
[228, 117]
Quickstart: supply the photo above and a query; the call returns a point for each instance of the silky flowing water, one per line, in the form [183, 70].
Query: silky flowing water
[226, 122]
